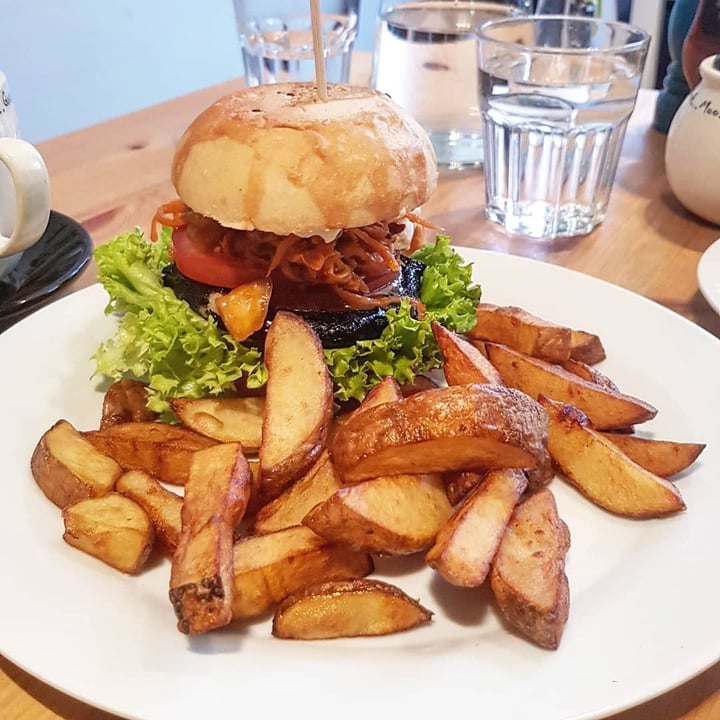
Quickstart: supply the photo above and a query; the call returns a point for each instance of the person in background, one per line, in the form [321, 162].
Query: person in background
[579, 6]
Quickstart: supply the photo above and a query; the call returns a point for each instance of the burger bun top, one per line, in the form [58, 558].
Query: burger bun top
[280, 159]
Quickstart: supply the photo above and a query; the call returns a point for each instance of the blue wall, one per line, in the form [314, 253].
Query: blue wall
[72, 63]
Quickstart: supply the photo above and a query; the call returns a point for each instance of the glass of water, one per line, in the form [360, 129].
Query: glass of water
[277, 43]
[556, 93]
[425, 60]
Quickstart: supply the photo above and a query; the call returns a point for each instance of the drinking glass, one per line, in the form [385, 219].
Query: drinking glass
[425, 60]
[556, 93]
[277, 43]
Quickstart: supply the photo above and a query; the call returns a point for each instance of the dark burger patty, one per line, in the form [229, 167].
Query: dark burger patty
[335, 328]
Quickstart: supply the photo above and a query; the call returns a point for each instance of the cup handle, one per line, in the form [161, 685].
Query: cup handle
[32, 190]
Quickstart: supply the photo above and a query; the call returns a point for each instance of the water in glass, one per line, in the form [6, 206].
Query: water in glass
[554, 128]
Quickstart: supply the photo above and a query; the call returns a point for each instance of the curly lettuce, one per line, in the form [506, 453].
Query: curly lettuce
[162, 341]
[159, 338]
[407, 346]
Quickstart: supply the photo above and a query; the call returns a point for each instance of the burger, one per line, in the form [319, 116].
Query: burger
[287, 201]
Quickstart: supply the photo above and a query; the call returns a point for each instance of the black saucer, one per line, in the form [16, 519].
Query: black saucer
[61, 253]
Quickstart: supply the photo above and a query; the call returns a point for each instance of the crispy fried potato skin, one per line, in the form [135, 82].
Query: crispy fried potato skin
[267, 568]
[201, 578]
[541, 475]
[601, 471]
[459, 484]
[664, 458]
[231, 419]
[164, 451]
[296, 501]
[586, 347]
[607, 409]
[526, 333]
[394, 515]
[453, 428]
[466, 544]
[163, 506]
[387, 390]
[353, 608]
[528, 574]
[298, 403]
[591, 374]
[67, 468]
[419, 384]
[463, 363]
[126, 401]
[112, 528]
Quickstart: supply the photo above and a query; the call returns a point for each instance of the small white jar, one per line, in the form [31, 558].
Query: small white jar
[692, 152]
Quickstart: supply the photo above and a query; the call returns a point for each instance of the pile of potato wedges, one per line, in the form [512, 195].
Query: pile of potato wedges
[278, 503]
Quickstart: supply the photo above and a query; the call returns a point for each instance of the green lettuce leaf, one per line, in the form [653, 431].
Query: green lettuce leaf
[159, 338]
[162, 341]
[407, 346]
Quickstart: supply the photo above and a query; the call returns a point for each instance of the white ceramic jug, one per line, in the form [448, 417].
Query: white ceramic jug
[692, 152]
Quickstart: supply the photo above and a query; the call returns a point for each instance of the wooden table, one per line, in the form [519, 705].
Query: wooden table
[112, 176]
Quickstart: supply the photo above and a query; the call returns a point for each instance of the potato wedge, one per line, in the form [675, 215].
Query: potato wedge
[664, 458]
[68, 468]
[601, 471]
[232, 419]
[479, 345]
[298, 403]
[162, 506]
[522, 331]
[267, 568]
[586, 347]
[467, 543]
[295, 502]
[350, 608]
[591, 374]
[606, 409]
[465, 427]
[420, 383]
[126, 401]
[394, 515]
[112, 528]
[541, 475]
[386, 390]
[202, 575]
[164, 451]
[458, 485]
[463, 363]
[528, 573]
[256, 502]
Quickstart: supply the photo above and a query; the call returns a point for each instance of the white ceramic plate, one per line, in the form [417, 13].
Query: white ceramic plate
[644, 594]
[708, 275]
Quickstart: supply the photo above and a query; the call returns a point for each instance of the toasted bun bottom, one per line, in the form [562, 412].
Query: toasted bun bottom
[277, 158]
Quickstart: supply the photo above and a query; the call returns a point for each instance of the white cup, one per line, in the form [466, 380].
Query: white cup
[24, 188]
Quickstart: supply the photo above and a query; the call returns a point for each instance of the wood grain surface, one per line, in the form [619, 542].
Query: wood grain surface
[112, 176]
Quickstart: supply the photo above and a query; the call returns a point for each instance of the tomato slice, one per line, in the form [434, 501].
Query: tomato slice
[206, 264]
